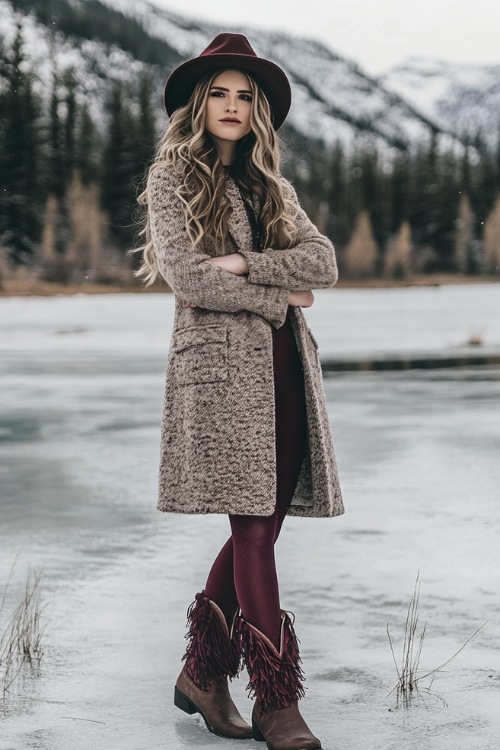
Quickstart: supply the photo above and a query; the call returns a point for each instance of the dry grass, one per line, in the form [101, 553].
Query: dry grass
[475, 339]
[409, 682]
[21, 633]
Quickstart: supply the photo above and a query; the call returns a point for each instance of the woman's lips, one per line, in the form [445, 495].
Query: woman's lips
[231, 122]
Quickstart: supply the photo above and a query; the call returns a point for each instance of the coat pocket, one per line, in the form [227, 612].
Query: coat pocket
[200, 354]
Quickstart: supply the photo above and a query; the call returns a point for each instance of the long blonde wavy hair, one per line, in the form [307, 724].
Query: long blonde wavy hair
[187, 147]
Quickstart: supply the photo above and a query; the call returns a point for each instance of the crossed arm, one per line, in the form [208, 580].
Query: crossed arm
[309, 264]
[265, 288]
[237, 263]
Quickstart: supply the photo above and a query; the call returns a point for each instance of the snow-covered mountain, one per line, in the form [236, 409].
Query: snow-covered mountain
[462, 98]
[333, 99]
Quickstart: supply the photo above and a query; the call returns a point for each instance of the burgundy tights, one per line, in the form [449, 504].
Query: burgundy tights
[244, 572]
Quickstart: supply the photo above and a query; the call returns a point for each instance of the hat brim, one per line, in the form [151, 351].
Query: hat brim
[269, 76]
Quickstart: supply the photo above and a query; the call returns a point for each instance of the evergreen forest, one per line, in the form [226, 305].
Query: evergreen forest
[68, 203]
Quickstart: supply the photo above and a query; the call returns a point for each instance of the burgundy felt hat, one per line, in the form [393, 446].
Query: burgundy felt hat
[230, 51]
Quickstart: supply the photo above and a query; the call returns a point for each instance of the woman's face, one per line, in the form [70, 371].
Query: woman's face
[228, 109]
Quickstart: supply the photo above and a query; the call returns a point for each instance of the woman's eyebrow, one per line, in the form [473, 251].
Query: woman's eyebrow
[239, 91]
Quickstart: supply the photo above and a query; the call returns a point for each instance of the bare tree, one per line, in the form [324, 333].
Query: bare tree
[491, 240]
[464, 235]
[397, 260]
[360, 255]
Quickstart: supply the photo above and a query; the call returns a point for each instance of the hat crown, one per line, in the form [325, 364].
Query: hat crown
[229, 44]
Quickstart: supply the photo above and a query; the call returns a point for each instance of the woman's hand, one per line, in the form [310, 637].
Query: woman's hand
[234, 263]
[300, 299]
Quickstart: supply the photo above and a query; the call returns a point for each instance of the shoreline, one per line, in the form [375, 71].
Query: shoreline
[33, 288]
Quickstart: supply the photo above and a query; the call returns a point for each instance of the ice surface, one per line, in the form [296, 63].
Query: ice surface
[435, 320]
[81, 386]
[346, 322]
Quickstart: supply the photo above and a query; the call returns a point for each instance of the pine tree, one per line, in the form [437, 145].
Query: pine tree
[337, 225]
[466, 171]
[376, 189]
[120, 167]
[69, 133]
[56, 178]
[21, 193]
[87, 149]
[400, 191]
[425, 187]
[354, 186]
[56, 169]
[146, 127]
[446, 202]
[3, 152]
[484, 192]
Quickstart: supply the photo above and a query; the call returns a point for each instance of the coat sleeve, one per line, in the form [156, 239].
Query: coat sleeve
[184, 266]
[309, 263]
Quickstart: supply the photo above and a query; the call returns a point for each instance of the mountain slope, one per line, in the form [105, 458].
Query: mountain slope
[110, 40]
[461, 98]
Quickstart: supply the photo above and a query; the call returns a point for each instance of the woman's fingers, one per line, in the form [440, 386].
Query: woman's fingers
[300, 299]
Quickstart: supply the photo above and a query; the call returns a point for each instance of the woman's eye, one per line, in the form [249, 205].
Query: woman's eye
[216, 93]
[246, 97]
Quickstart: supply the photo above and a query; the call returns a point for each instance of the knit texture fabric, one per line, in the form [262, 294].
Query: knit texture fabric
[217, 451]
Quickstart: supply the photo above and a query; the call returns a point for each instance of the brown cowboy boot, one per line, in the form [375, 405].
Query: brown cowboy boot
[276, 682]
[211, 657]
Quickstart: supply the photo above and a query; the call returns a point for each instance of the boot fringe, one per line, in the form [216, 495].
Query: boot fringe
[275, 678]
[210, 655]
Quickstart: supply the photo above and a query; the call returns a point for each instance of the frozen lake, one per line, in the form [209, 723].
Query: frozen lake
[81, 386]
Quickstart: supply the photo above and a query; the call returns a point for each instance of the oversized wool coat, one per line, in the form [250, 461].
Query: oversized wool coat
[218, 452]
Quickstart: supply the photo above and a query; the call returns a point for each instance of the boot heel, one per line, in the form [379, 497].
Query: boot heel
[256, 733]
[183, 702]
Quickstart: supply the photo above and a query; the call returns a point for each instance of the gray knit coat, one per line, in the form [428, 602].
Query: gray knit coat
[217, 450]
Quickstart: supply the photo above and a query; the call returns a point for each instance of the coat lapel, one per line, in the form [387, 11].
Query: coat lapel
[238, 224]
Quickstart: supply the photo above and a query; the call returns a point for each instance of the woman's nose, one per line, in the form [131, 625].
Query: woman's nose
[231, 106]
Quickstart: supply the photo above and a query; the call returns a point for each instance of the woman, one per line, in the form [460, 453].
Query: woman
[245, 429]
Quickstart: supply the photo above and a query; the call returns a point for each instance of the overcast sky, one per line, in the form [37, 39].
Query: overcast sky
[375, 33]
